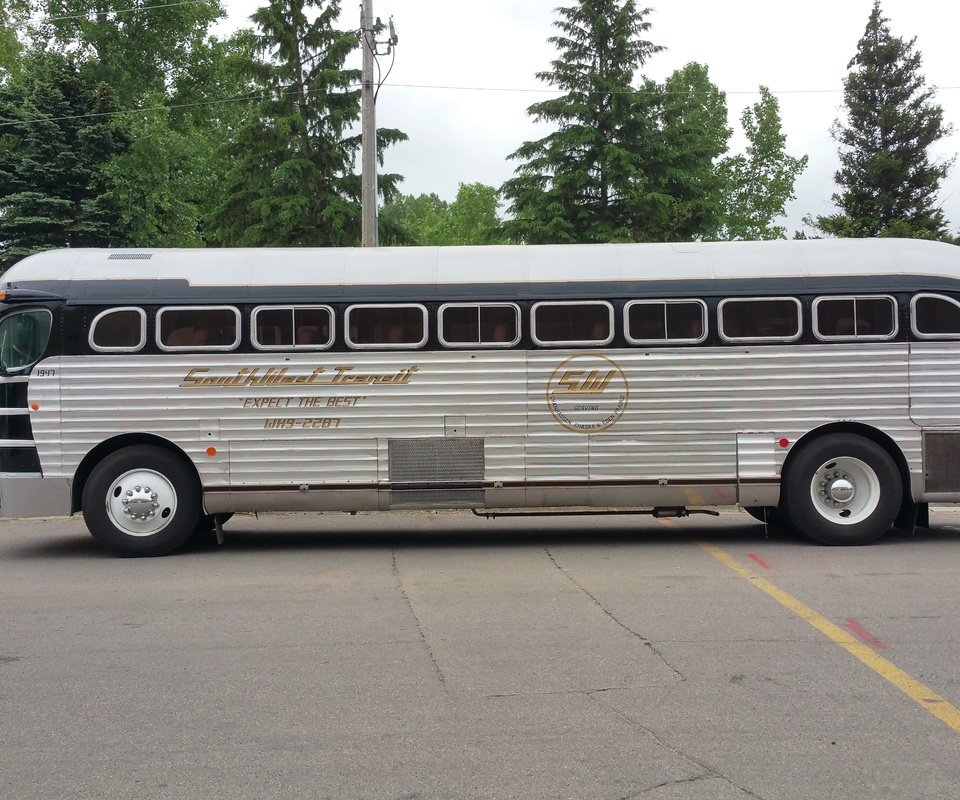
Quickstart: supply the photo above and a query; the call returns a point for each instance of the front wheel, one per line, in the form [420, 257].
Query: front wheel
[842, 489]
[142, 501]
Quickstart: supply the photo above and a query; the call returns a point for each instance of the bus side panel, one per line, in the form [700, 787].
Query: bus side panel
[935, 405]
[308, 422]
[685, 408]
[935, 384]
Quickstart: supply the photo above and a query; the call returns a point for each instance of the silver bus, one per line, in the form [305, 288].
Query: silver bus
[159, 391]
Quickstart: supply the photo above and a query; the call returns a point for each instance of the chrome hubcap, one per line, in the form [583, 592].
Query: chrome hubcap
[838, 488]
[141, 502]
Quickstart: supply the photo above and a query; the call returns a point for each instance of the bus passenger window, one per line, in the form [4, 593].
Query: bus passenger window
[387, 326]
[313, 326]
[760, 319]
[479, 325]
[195, 328]
[653, 321]
[854, 317]
[292, 327]
[935, 315]
[120, 329]
[273, 327]
[572, 323]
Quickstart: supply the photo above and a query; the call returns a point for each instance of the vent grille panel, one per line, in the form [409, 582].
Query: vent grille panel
[941, 461]
[436, 461]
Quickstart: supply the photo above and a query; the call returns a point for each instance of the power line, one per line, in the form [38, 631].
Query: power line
[131, 10]
[533, 90]
[6, 123]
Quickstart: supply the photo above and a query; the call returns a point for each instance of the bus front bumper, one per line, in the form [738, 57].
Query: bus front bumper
[34, 497]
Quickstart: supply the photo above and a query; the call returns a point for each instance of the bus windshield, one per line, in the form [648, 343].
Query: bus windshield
[23, 338]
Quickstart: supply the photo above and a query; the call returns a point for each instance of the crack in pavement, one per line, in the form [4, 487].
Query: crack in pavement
[420, 630]
[705, 777]
[646, 642]
[713, 772]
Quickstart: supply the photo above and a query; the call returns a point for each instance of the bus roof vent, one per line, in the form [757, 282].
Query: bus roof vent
[129, 256]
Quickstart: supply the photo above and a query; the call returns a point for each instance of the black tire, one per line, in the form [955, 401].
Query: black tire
[155, 520]
[842, 489]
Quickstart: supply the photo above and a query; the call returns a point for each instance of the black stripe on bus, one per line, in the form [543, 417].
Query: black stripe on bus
[19, 459]
[13, 395]
[16, 426]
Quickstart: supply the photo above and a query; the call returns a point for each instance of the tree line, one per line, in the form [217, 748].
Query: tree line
[134, 126]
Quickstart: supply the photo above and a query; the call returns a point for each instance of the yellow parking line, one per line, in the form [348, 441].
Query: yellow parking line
[922, 695]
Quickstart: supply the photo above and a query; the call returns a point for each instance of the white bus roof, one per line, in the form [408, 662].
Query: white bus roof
[494, 264]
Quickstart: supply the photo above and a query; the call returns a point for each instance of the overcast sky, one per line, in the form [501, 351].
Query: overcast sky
[464, 77]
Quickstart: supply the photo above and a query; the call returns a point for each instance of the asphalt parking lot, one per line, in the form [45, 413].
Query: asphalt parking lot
[437, 655]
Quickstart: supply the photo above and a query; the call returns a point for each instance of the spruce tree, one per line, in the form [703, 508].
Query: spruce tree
[577, 184]
[292, 180]
[888, 182]
[55, 139]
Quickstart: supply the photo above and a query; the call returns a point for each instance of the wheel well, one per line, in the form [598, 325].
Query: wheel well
[866, 431]
[102, 450]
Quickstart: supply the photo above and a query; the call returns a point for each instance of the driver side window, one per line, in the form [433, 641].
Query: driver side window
[23, 338]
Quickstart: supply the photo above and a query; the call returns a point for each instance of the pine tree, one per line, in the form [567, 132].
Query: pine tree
[577, 184]
[889, 183]
[55, 140]
[292, 180]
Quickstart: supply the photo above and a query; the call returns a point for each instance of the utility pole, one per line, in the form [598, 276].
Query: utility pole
[368, 191]
[369, 28]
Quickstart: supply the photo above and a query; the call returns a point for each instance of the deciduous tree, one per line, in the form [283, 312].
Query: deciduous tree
[760, 181]
[427, 220]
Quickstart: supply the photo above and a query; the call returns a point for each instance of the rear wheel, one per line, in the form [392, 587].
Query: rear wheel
[842, 489]
[142, 501]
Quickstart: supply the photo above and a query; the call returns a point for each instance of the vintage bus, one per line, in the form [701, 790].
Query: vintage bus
[817, 382]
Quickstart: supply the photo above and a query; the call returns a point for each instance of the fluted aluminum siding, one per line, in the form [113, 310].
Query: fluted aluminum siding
[685, 409]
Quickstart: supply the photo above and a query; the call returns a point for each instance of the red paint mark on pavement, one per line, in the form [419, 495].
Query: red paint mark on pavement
[854, 626]
[758, 560]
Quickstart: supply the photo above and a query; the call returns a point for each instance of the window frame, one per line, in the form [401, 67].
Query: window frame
[572, 342]
[143, 331]
[751, 339]
[25, 369]
[198, 348]
[292, 309]
[854, 337]
[704, 318]
[466, 345]
[386, 345]
[913, 315]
